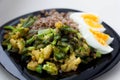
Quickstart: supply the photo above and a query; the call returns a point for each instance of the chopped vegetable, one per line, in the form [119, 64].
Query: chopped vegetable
[28, 22]
[71, 63]
[51, 68]
[58, 24]
[68, 29]
[20, 44]
[32, 65]
[98, 54]
[47, 51]
[58, 54]
[41, 58]
[9, 46]
[29, 41]
[9, 28]
[39, 69]
[60, 48]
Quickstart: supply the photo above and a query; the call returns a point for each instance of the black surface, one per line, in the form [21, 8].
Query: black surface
[85, 72]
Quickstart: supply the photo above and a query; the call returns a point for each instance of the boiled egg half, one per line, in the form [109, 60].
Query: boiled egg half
[94, 36]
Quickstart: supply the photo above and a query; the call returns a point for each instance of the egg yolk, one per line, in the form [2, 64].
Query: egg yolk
[101, 37]
[101, 41]
[91, 17]
[92, 23]
[92, 20]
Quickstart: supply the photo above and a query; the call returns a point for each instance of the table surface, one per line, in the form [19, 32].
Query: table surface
[108, 10]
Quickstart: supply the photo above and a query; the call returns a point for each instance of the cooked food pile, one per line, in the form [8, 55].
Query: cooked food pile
[57, 42]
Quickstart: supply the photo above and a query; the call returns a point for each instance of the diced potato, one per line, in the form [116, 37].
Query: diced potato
[33, 58]
[36, 53]
[41, 58]
[20, 44]
[87, 49]
[38, 56]
[13, 43]
[19, 25]
[22, 20]
[6, 36]
[26, 30]
[71, 63]
[58, 24]
[32, 65]
[16, 35]
[47, 51]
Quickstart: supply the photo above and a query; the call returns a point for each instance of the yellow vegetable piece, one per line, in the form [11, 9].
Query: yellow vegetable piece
[13, 43]
[71, 63]
[41, 58]
[58, 24]
[36, 53]
[19, 25]
[32, 65]
[20, 44]
[47, 51]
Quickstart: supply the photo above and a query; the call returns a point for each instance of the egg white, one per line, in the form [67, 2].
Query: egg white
[110, 40]
[78, 19]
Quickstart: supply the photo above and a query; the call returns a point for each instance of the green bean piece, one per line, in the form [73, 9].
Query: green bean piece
[98, 54]
[54, 42]
[29, 41]
[48, 36]
[9, 46]
[25, 58]
[65, 49]
[26, 21]
[30, 48]
[64, 44]
[29, 23]
[39, 68]
[64, 39]
[44, 32]
[68, 29]
[56, 38]
[9, 28]
[57, 54]
[79, 35]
